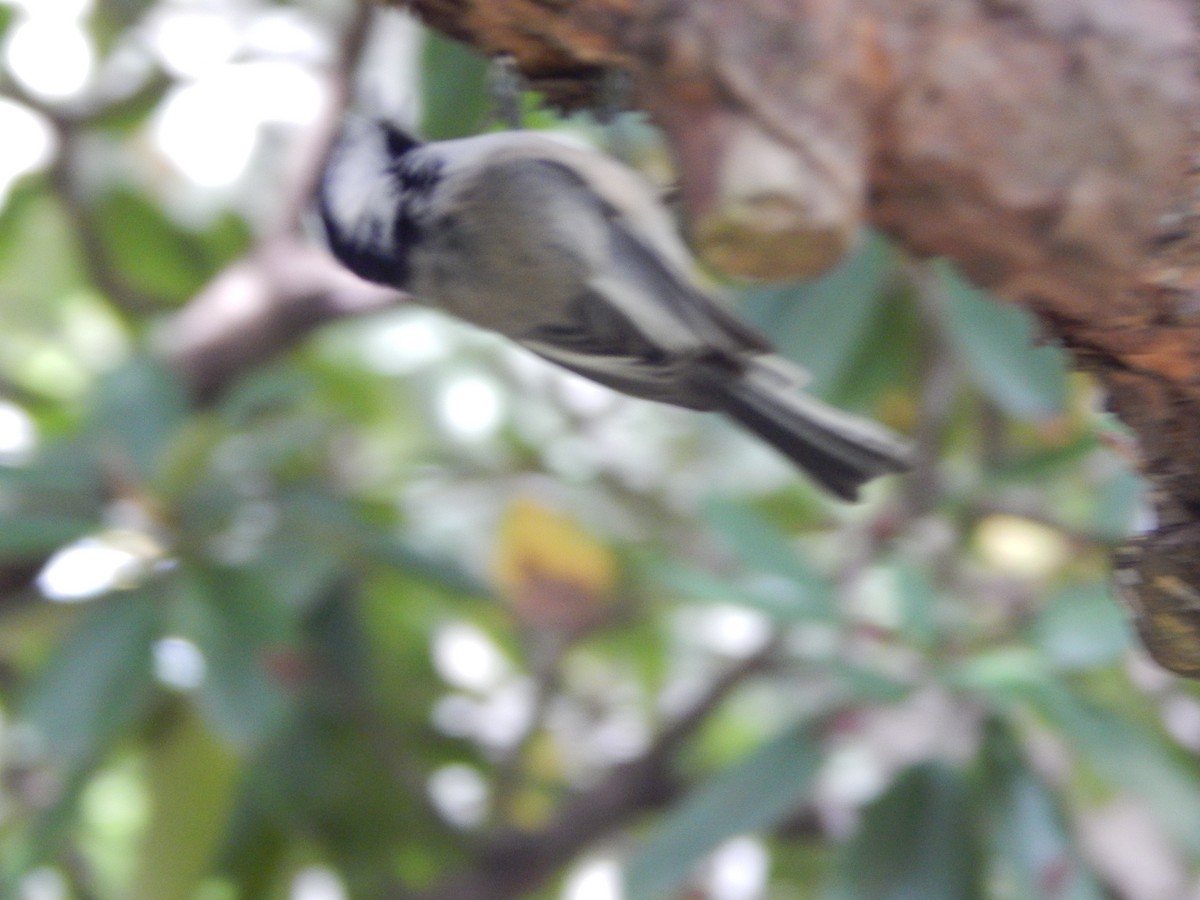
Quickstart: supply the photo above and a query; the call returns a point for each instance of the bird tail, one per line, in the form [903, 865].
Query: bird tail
[838, 450]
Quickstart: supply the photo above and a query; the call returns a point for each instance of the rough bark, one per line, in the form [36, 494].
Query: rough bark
[1048, 147]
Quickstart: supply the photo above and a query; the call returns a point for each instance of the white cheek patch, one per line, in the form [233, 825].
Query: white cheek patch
[357, 187]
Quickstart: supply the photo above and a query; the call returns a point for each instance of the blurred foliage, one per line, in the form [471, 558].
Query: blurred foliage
[404, 590]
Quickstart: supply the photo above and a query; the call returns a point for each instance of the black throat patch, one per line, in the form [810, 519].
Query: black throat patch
[378, 247]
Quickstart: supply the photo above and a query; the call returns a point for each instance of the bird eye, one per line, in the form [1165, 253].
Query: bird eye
[398, 143]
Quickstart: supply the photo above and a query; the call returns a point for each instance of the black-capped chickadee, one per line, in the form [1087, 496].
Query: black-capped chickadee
[570, 254]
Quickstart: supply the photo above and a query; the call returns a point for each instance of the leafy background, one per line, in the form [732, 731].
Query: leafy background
[404, 613]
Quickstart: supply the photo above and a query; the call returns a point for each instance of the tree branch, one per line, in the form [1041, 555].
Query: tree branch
[514, 864]
[257, 308]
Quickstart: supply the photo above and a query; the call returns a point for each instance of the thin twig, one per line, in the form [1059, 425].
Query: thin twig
[315, 145]
[545, 652]
[512, 865]
[938, 389]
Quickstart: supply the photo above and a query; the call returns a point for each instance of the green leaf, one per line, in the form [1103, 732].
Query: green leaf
[1031, 852]
[996, 344]
[226, 239]
[32, 537]
[1081, 626]
[1129, 757]
[256, 853]
[263, 391]
[150, 251]
[754, 794]
[917, 595]
[886, 358]
[53, 501]
[761, 546]
[38, 263]
[1126, 756]
[23, 196]
[783, 601]
[110, 20]
[1006, 674]
[137, 410]
[336, 524]
[1117, 504]
[916, 841]
[96, 681]
[192, 781]
[344, 766]
[864, 685]
[822, 323]
[398, 612]
[49, 832]
[454, 88]
[1047, 462]
[233, 617]
[127, 114]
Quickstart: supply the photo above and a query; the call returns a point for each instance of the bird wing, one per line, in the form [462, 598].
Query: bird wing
[644, 251]
[599, 342]
[638, 325]
[701, 314]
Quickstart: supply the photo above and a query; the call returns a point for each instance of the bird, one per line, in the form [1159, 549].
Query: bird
[573, 255]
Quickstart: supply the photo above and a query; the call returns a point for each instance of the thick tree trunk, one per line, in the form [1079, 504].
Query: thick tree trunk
[1048, 147]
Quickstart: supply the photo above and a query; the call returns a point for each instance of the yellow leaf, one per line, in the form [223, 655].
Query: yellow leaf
[553, 573]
